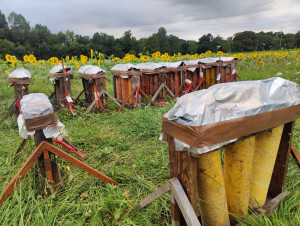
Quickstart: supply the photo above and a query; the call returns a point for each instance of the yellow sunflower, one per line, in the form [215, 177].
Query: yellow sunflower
[8, 57]
[25, 58]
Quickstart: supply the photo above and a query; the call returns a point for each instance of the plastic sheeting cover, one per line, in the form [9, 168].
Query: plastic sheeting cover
[171, 64]
[58, 69]
[148, 66]
[34, 105]
[227, 101]
[123, 67]
[90, 70]
[20, 73]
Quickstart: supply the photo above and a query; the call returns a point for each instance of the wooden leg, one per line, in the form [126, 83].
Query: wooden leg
[154, 195]
[51, 148]
[282, 161]
[295, 156]
[147, 97]
[9, 112]
[175, 211]
[127, 99]
[21, 173]
[186, 208]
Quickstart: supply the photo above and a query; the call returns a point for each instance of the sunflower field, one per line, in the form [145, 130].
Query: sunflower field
[125, 146]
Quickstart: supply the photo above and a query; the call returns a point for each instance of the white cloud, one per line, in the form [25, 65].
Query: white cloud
[188, 19]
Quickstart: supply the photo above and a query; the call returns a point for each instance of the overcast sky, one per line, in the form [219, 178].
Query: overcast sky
[187, 19]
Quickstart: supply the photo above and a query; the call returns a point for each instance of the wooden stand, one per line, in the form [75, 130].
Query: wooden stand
[62, 86]
[19, 91]
[43, 152]
[183, 169]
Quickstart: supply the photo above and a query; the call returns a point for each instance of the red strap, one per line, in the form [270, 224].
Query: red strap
[188, 89]
[97, 94]
[19, 106]
[169, 78]
[72, 149]
[200, 79]
[70, 106]
[160, 103]
[136, 96]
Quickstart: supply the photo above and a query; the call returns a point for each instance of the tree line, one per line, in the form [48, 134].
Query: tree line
[18, 38]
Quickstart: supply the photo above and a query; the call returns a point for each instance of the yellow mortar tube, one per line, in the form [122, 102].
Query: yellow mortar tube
[238, 160]
[211, 190]
[212, 76]
[266, 148]
[207, 77]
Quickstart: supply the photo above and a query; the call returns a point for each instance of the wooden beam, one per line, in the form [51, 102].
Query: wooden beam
[127, 99]
[183, 203]
[51, 148]
[175, 211]
[22, 172]
[295, 156]
[282, 161]
[21, 146]
[154, 195]
[78, 95]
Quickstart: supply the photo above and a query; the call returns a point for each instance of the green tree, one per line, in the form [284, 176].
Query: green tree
[175, 44]
[6, 47]
[297, 39]
[4, 29]
[245, 41]
[162, 39]
[205, 43]
[19, 28]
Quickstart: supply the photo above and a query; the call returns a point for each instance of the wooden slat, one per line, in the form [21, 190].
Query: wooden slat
[51, 148]
[156, 94]
[183, 203]
[154, 195]
[282, 161]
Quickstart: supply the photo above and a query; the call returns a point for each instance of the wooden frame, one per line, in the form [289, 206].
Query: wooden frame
[44, 148]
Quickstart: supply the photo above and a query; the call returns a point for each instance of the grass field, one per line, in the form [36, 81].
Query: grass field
[124, 146]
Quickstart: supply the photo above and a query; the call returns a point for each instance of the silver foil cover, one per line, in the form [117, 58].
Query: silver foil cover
[90, 70]
[20, 73]
[234, 100]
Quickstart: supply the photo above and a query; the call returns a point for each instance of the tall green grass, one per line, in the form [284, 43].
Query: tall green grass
[125, 146]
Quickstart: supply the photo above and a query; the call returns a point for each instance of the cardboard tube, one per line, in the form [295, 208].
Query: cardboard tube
[211, 190]
[266, 148]
[129, 90]
[119, 88]
[207, 76]
[238, 160]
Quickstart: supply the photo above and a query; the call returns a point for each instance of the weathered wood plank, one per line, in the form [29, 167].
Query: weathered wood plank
[183, 203]
[282, 161]
[154, 195]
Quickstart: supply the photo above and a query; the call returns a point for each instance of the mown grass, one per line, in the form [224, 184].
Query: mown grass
[124, 146]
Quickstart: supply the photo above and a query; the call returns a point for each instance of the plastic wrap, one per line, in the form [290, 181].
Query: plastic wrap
[228, 101]
[171, 64]
[36, 105]
[20, 73]
[58, 69]
[148, 66]
[90, 69]
[123, 67]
